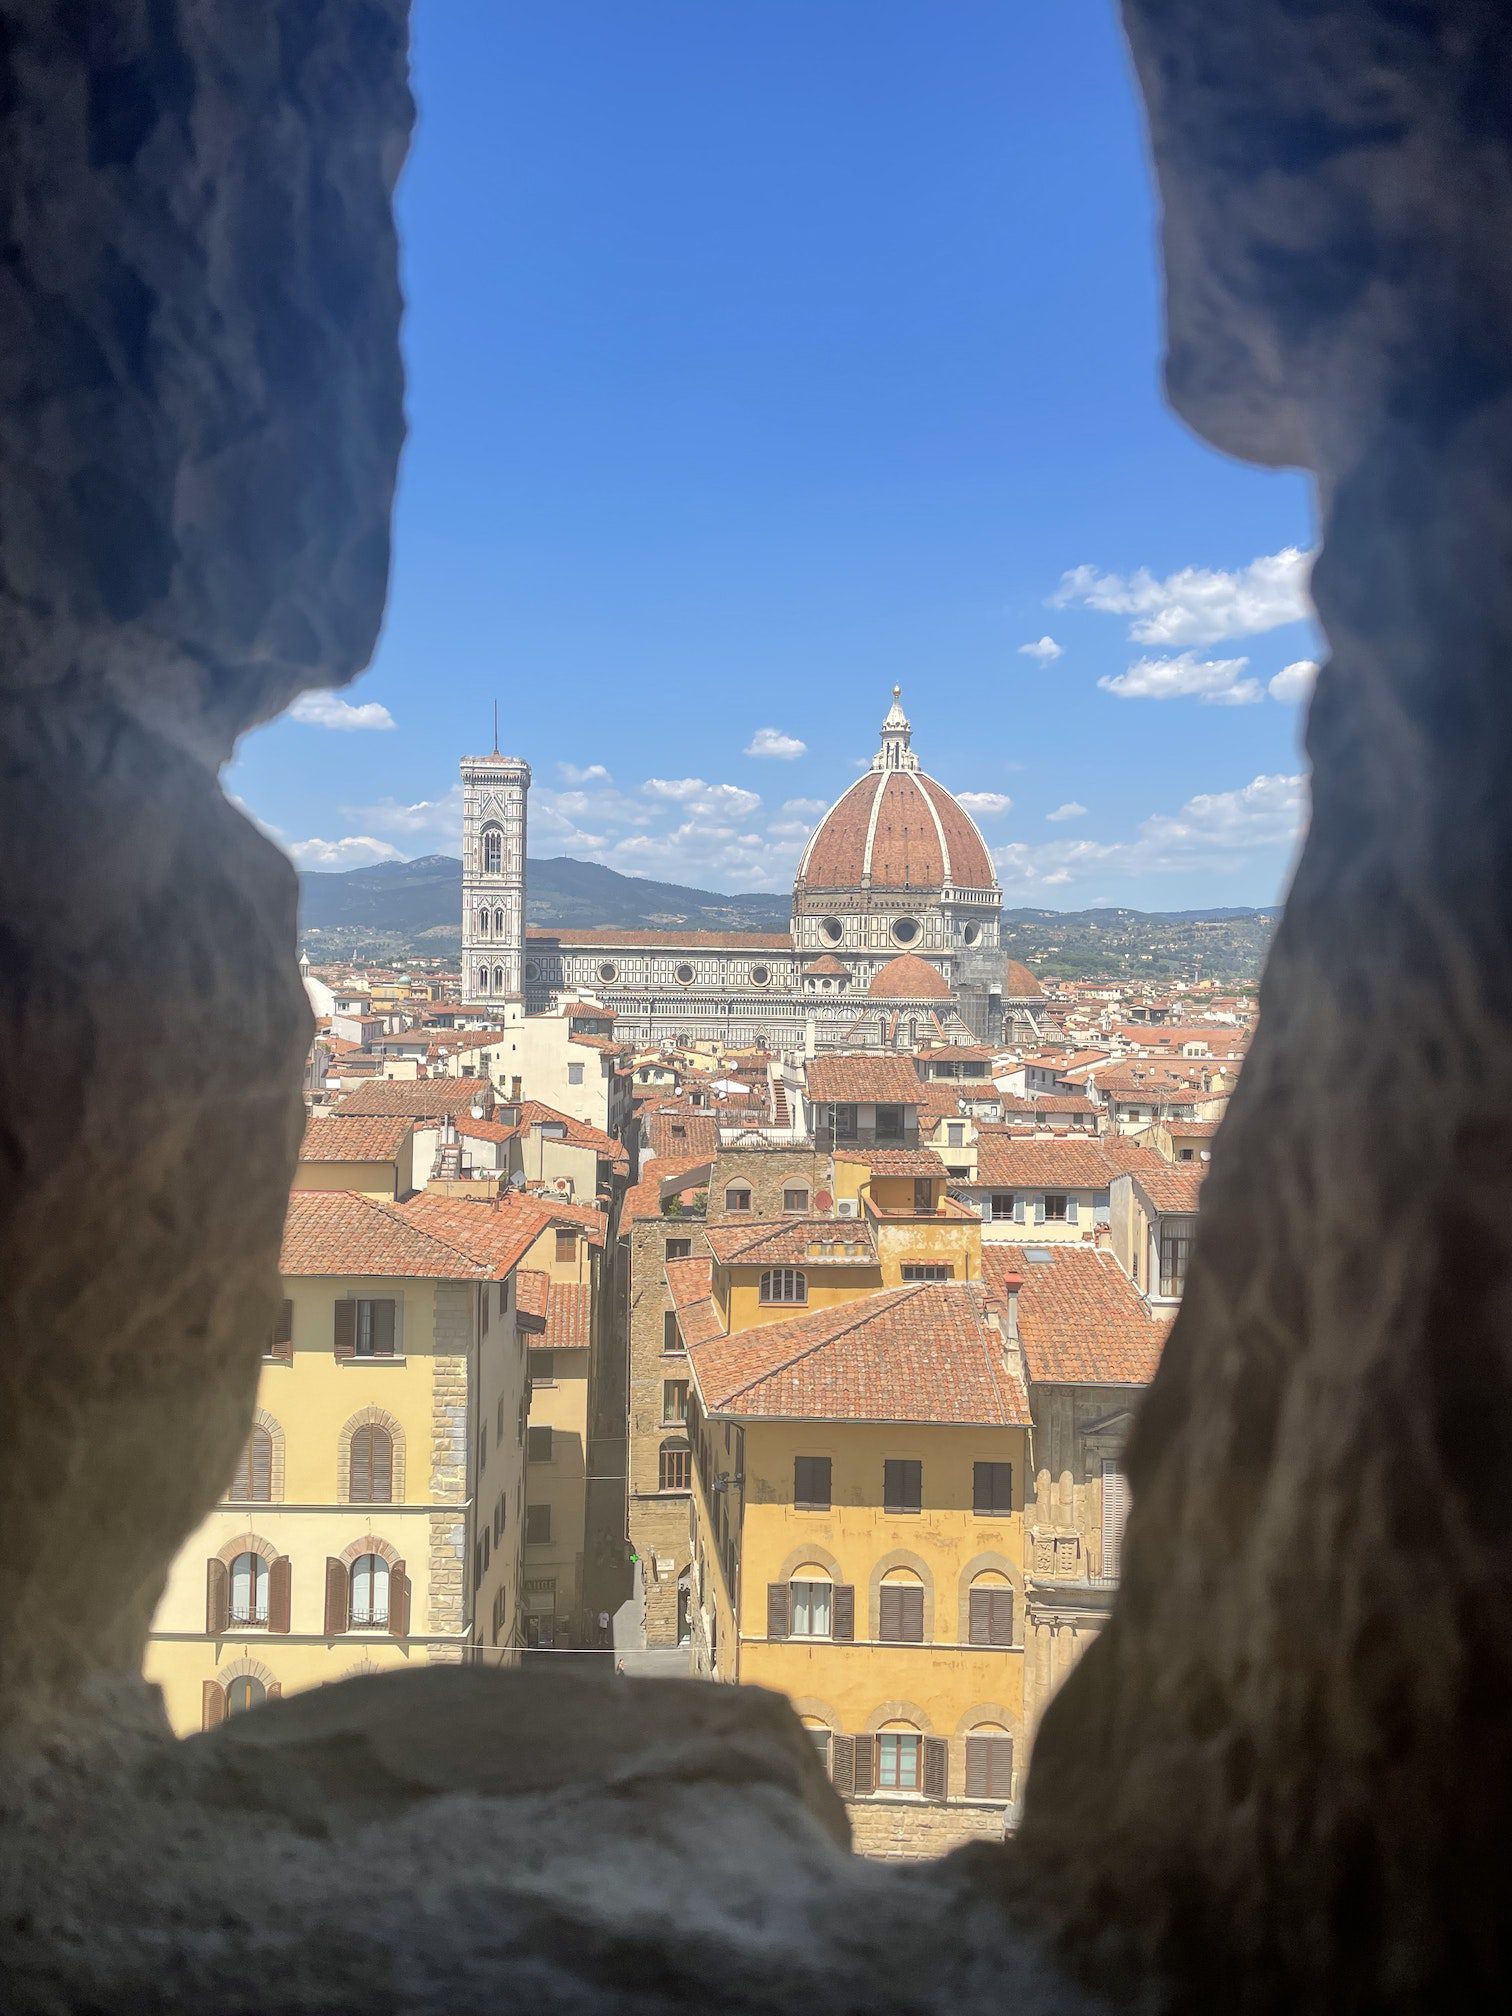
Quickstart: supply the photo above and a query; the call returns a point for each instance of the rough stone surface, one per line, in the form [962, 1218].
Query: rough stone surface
[1292, 1749]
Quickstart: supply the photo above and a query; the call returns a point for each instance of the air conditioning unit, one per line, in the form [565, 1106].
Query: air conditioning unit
[847, 1208]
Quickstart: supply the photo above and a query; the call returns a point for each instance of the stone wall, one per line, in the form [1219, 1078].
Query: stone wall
[659, 1524]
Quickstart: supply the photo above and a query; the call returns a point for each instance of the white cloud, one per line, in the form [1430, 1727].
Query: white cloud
[985, 804]
[728, 800]
[1045, 651]
[592, 773]
[1214, 681]
[805, 808]
[1294, 682]
[773, 742]
[1217, 831]
[329, 710]
[1070, 810]
[1197, 605]
[438, 820]
[358, 850]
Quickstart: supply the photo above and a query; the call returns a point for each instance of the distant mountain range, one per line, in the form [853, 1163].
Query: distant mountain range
[411, 909]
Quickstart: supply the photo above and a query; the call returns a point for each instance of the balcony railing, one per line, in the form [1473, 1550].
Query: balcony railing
[248, 1617]
[370, 1620]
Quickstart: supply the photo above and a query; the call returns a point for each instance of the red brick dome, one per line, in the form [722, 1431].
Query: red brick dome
[909, 978]
[896, 829]
[1019, 984]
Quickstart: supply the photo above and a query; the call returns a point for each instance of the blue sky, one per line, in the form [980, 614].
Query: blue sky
[762, 353]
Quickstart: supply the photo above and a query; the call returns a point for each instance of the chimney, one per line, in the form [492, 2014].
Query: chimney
[1011, 1286]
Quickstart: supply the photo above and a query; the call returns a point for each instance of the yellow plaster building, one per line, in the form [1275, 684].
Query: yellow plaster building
[349, 1539]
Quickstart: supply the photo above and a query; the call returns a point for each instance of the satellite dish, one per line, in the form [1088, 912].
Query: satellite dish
[517, 1180]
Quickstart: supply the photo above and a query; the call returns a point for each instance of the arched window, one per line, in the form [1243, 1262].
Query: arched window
[370, 1593]
[253, 1482]
[249, 1592]
[990, 1609]
[483, 918]
[482, 979]
[372, 1465]
[989, 1762]
[784, 1284]
[675, 1465]
[499, 980]
[738, 1197]
[810, 1604]
[498, 923]
[493, 850]
[900, 1608]
[245, 1692]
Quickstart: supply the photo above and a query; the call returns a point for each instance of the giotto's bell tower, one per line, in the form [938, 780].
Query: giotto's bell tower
[494, 790]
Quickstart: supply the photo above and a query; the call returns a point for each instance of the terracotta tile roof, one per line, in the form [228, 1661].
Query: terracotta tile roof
[827, 966]
[692, 941]
[362, 1137]
[887, 828]
[644, 1198]
[920, 1353]
[908, 978]
[1171, 1186]
[690, 1285]
[606, 1044]
[1007, 1163]
[682, 1130]
[864, 1079]
[339, 1232]
[421, 1098]
[1197, 1130]
[497, 1234]
[893, 1161]
[958, 1053]
[561, 1211]
[1081, 1320]
[568, 1317]
[482, 1130]
[1060, 1102]
[580, 1133]
[1019, 984]
[533, 1291]
[790, 1242]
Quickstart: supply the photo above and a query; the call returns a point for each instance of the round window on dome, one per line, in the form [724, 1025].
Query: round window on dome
[905, 930]
[970, 934]
[684, 975]
[608, 971]
[532, 970]
[831, 930]
[760, 975]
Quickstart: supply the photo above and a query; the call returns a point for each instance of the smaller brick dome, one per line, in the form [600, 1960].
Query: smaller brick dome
[909, 978]
[1019, 984]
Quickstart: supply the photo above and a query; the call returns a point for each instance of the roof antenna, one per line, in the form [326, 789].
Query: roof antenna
[496, 728]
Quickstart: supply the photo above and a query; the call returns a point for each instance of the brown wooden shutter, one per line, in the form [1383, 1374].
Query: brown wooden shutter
[866, 1764]
[273, 1692]
[1001, 1609]
[399, 1601]
[260, 1466]
[936, 1767]
[844, 1613]
[280, 1589]
[890, 1612]
[338, 1601]
[346, 1330]
[213, 1705]
[241, 1481]
[282, 1345]
[383, 1329]
[979, 1631]
[777, 1609]
[911, 1615]
[360, 1484]
[381, 1459]
[977, 1748]
[843, 1762]
[217, 1598]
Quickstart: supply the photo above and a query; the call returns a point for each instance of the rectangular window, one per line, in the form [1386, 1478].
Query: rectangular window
[797, 1200]
[991, 1489]
[499, 1423]
[990, 1615]
[925, 1270]
[671, 1335]
[843, 1122]
[955, 1134]
[538, 1445]
[675, 1467]
[989, 1767]
[1175, 1252]
[1002, 1205]
[537, 1525]
[482, 1447]
[811, 1483]
[1115, 1512]
[821, 1742]
[902, 1485]
[737, 1198]
[889, 1123]
[679, 1249]
[897, 1762]
[1056, 1208]
[810, 1613]
[674, 1400]
[375, 1329]
[566, 1245]
[574, 1074]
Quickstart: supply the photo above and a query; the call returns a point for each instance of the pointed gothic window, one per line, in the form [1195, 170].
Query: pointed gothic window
[482, 979]
[498, 923]
[493, 850]
[483, 916]
[499, 980]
